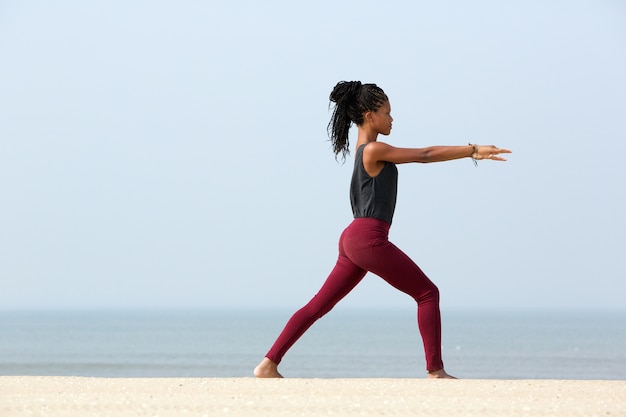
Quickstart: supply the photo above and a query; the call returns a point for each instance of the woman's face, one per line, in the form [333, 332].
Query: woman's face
[382, 120]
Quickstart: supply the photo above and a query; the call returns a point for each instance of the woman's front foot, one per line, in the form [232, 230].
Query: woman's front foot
[267, 369]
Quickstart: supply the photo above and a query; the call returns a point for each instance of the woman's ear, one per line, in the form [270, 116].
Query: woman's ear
[367, 117]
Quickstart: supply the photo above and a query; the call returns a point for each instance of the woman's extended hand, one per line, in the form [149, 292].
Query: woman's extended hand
[489, 152]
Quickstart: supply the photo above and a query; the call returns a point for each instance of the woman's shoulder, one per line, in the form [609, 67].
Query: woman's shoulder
[374, 146]
[373, 157]
[375, 149]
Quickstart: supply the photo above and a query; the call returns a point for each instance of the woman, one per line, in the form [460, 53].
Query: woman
[364, 245]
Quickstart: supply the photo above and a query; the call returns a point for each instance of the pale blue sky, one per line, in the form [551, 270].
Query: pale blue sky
[174, 154]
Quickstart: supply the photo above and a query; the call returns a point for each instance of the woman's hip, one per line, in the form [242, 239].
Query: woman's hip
[362, 233]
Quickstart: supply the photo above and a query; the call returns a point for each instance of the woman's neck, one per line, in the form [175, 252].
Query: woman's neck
[366, 136]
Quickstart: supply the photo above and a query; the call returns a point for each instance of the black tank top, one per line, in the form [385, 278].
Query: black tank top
[373, 196]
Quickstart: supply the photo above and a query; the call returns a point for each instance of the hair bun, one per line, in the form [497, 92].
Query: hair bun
[345, 91]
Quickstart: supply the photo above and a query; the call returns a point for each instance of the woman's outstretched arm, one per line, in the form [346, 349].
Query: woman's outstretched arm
[376, 152]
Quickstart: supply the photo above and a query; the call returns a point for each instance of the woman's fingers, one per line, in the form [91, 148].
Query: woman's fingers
[497, 158]
[493, 153]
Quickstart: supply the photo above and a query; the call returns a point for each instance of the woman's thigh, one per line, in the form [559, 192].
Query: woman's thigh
[391, 264]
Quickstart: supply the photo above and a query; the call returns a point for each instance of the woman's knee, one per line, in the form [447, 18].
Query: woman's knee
[428, 294]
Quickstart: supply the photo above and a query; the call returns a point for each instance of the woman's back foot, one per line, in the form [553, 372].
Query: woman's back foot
[267, 369]
[440, 374]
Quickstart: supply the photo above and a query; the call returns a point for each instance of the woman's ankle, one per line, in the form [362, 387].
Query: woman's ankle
[267, 369]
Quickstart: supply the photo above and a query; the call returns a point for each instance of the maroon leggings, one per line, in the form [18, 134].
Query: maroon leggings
[363, 247]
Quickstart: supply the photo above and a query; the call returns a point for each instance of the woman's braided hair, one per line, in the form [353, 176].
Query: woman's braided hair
[352, 99]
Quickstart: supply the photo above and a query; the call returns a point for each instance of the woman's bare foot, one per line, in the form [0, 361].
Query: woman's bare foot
[267, 369]
[439, 374]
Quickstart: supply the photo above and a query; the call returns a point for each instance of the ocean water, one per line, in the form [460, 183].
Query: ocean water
[343, 344]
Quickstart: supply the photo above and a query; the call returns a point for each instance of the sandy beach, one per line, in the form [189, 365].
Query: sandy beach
[162, 397]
